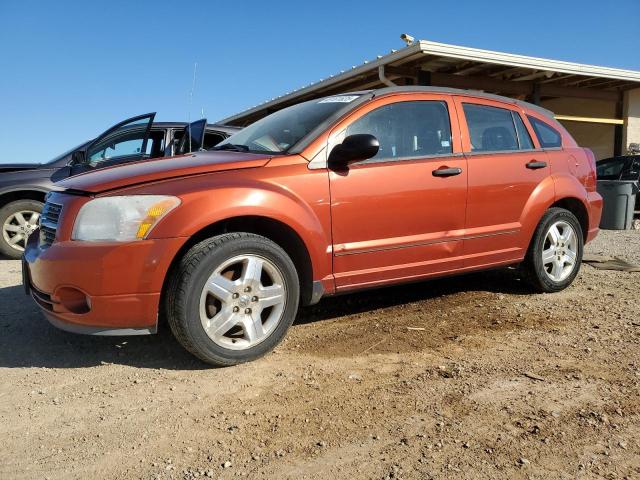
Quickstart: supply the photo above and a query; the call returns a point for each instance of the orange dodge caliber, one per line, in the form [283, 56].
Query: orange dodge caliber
[333, 195]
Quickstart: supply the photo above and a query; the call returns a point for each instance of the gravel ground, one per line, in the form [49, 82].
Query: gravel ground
[467, 377]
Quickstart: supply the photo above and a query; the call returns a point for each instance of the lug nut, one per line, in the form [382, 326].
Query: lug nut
[254, 299]
[236, 309]
[247, 310]
[235, 295]
[247, 289]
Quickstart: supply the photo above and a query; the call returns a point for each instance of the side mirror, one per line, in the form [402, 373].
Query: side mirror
[77, 157]
[354, 148]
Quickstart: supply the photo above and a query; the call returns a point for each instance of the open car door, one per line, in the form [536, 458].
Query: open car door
[125, 142]
[192, 138]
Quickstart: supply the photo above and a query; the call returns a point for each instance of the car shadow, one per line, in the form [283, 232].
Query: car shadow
[28, 340]
[505, 280]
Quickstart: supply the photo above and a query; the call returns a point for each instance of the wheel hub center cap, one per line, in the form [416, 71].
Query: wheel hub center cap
[244, 300]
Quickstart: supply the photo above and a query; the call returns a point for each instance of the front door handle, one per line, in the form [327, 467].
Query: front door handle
[446, 172]
[534, 165]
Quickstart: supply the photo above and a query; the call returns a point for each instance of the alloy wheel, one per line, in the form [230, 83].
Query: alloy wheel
[560, 251]
[17, 228]
[242, 302]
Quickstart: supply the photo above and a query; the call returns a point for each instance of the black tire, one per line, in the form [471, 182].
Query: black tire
[187, 281]
[5, 213]
[532, 268]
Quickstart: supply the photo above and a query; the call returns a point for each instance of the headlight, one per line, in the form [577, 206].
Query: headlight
[121, 219]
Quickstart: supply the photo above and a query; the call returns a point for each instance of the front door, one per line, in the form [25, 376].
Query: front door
[400, 215]
[125, 142]
[505, 168]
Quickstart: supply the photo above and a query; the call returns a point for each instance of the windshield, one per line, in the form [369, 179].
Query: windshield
[280, 131]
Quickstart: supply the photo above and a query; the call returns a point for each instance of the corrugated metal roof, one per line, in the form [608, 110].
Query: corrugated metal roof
[459, 61]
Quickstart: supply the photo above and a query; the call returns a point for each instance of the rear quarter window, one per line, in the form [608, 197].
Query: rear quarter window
[548, 136]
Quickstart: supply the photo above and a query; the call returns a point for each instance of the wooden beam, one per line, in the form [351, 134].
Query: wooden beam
[400, 71]
[549, 90]
[525, 87]
[560, 77]
[571, 118]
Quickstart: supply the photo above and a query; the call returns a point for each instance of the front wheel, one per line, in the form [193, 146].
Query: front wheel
[17, 221]
[555, 254]
[232, 298]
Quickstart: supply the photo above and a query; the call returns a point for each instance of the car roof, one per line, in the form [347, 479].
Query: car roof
[455, 91]
[210, 126]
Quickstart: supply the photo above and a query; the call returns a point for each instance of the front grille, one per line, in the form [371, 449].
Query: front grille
[49, 223]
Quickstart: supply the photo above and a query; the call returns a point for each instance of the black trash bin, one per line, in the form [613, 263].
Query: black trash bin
[619, 198]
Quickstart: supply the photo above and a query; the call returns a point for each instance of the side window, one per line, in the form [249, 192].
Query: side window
[491, 129]
[117, 147]
[610, 169]
[547, 135]
[211, 139]
[407, 129]
[524, 139]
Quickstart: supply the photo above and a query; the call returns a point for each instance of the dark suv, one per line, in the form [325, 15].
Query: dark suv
[23, 186]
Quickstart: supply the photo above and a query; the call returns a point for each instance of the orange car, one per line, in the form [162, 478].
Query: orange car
[351, 191]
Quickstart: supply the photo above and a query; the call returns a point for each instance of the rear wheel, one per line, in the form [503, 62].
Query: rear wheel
[555, 254]
[232, 298]
[17, 221]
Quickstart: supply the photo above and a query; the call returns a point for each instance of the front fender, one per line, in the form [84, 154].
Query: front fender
[304, 210]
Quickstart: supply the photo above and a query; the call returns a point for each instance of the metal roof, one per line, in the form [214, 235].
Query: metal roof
[452, 62]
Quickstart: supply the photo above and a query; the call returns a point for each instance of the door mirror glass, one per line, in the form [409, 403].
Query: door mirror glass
[359, 146]
[192, 138]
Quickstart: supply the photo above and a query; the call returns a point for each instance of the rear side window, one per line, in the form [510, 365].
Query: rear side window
[547, 135]
[523, 135]
[491, 129]
[211, 139]
[407, 129]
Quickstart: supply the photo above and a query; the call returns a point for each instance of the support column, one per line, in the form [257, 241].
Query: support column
[631, 116]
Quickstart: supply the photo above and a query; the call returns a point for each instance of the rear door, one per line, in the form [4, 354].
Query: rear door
[125, 142]
[400, 215]
[505, 167]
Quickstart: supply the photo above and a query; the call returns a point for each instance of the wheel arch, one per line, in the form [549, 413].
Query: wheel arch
[577, 208]
[7, 197]
[275, 230]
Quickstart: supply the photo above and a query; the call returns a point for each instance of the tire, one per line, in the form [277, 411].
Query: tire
[562, 261]
[199, 317]
[11, 225]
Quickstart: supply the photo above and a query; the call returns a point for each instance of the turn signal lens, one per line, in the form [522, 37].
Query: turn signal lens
[154, 214]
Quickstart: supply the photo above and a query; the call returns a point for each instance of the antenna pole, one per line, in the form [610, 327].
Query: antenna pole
[193, 87]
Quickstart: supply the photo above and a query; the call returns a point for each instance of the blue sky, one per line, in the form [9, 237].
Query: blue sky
[68, 70]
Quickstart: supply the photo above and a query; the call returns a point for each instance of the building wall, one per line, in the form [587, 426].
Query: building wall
[599, 137]
[631, 130]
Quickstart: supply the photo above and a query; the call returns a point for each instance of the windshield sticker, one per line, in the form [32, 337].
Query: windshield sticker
[339, 99]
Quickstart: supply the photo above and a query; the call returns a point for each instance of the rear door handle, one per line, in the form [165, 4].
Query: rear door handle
[446, 172]
[534, 165]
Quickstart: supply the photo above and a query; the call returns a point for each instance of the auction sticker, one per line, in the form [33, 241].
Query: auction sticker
[339, 99]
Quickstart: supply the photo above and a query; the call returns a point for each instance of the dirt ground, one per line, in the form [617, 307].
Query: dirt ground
[468, 377]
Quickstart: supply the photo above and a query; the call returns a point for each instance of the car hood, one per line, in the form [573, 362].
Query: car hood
[148, 171]
[18, 167]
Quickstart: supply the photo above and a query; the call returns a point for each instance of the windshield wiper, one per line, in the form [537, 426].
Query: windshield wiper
[232, 146]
